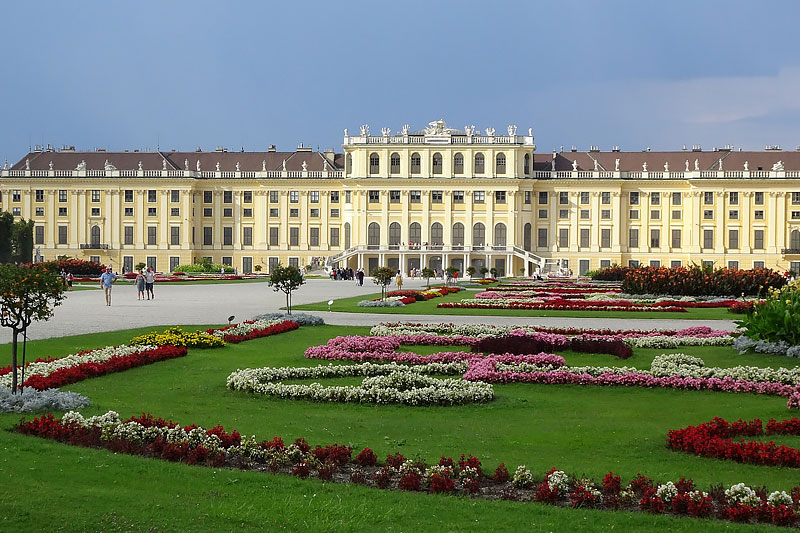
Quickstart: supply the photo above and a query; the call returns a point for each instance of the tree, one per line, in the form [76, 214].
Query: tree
[139, 266]
[471, 271]
[451, 272]
[286, 280]
[22, 241]
[26, 294]
[383, 276]
[6, 236]
[428, 273]
[257, 268]
[493, 270]
[483, 271]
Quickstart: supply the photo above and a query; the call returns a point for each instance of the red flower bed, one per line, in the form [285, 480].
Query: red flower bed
[282, 327]
[697, 280]
[7, 369]
[537, 343]
[715, 439]
[73, 374]
[741, 308]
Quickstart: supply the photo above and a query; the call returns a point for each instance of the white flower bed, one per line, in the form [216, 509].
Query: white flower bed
[244, 328]
[99, 355]
[384, 384]
[667, 341]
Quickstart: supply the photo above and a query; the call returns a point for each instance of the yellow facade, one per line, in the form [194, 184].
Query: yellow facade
[436, 197]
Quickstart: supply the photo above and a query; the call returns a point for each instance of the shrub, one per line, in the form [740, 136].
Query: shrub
[34, 400]
[612, 273]
[697, 280]
[207, 267]
[74, 266]
[777, 319]
[304, 319]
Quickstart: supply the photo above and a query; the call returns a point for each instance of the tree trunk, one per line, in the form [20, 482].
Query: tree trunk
[289, 303]
[14, 361]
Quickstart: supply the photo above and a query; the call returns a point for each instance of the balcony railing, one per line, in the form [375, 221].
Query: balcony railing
[93, 246]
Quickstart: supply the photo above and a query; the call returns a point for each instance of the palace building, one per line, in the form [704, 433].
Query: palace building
[434, 197]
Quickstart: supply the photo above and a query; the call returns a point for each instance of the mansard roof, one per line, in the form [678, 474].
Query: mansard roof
[634, 161]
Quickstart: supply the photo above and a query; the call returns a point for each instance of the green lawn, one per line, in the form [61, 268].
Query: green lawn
[583, 430]
[428, 307]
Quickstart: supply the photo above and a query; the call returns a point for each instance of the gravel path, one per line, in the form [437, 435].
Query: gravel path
[84, 311]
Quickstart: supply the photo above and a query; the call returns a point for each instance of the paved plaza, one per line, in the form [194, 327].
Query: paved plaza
[84, 311]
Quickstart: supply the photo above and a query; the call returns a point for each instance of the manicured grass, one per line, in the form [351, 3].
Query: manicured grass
[583, 430]
[428, 307]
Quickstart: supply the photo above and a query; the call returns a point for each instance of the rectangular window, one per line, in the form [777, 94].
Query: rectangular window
[335, 212]
[733, 198]
[543, 197]
[541, 240]
[758, 264]
[152, 211]
[733, 238]
[563, 198]
[563, 213]
[708, 198]
[313, 236]
[273, 212]
[39, 195]
[605, 237]
[605, 198]
[758, 198]
[655, 214]
[150, 262]
[273, 263]
[605, 263]
[208, 212]
[174, 262]
[479, 197]
[334, 197]
[633, 237]
[633, 214]
[62, 211]
[527, 197]
[62, 195]
[151, 196]
[374, 196]
[62, 235]
[733, 214]
[16, 211]
[227, 236]
[676, 214]
[247, 212]
[605, 214]
[128, 235]
[675, 263]
[227, 197]
[758, 239]
[294, 213]
[273, 235]
[38, 235]
[655, 198]
[585, 214]
[128, 195]
[542, 213]
[436, 197]
[273, 197]
[247, 197]
[247, 265]
[795, 215]
[708, 239]
[758, 214]
[152, 235]
[677, 198]
[294, 236]
[676, 238]
[227, 260]
[247, 236]
[227, 212]
[655, 238]
[175, 196]
[333, 241]
[16, 196]
[633, 263]
[95, 211]
[294, 262]
[708, 214]
[294, 197]
[128, 211]
[584, 198]
[633, 198]
[174, 211]
[394, 197]
[733, 265]
[796, 198]
[563, 237]
[174, 235]
[584, 238]
[313, 197]
[313, 212]
[458, 197]
[415, 197]
[208, 236]
[655, 263]
[499, 197]
[40, 211]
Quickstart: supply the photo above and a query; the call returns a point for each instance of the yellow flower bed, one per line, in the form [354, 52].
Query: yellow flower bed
[175, 336]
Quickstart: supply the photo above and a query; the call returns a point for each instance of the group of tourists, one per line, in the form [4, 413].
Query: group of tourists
[144, 281]
[348, 274]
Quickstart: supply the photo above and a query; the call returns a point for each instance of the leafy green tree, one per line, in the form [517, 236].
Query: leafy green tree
[6, 236]
[22, 241]
[428, 273]
[483, 270]
[287, 280]
[383, 276]
[471, 271]
[27, 293]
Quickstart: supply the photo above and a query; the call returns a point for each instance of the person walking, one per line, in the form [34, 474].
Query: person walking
[107, 280]
[149, 280]
[399, 280]
[140, 284]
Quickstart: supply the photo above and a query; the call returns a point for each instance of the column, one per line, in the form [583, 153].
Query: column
[218, 220]
[594, 212]
[617, 216]
[139, 213]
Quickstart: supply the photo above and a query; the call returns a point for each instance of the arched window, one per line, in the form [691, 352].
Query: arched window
[416, 163]
[527, 168]
[95, 235]
[794, 240]
[395, 163]
[458, 234]
[346, 235]
[374, 234]
[500, 234]
[480, 164]
[478, 234]
[374, 163]
[394, 234]
[437, 233]
[458, 164]
[526, 237]
[500, 164]
[415, 233]
[437, 163]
